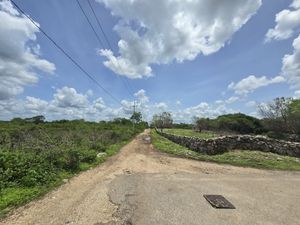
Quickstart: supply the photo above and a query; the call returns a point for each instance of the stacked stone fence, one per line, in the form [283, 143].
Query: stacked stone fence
[222, 144]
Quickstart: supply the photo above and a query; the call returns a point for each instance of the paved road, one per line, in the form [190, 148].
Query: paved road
[141, 186]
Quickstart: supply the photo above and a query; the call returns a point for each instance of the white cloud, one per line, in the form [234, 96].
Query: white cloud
[287, 23]
[161, 106]
[35, 105]
[232, 99]
[66, 101]
[297, 94]
[18, 59]
[127, 107]
[141, 96]
[251, 104]
[219, 102]
[69, 98]
[163, 31]
[291, 65]
[99, 104]
[203, 110]
[251, 83]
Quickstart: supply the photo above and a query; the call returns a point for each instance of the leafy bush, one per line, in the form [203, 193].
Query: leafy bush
[35, 154]
[239, 123]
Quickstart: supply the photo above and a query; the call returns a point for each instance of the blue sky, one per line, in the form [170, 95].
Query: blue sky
[190, 77]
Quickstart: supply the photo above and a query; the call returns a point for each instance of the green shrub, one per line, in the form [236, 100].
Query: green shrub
[87, 156]
[72, 160]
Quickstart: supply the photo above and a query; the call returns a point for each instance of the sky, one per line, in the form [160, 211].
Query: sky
[199, 58]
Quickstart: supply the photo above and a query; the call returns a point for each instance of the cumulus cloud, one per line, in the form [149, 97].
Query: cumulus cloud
[232, 99]
[163, 31]
[35, 105]
[297, 94]
[251, 104]
[161, 106]
[99, 104]
[202, 110]
[291, 65]
[18, 52]
[69, 98]
[141, 96]
[68, 103]
[251, 83]
[287, 23]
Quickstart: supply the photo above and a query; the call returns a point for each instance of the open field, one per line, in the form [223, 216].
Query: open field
[191, 133]
[35, 158]
[243, 158]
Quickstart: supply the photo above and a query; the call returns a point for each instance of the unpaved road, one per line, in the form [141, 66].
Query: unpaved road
[140, 186]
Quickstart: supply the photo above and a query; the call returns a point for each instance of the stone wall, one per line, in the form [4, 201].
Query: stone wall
[241, 142]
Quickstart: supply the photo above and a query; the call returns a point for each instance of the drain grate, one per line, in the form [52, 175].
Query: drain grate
[219, 202]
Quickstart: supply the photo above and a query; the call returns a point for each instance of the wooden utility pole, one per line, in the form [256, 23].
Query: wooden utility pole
[133, 119]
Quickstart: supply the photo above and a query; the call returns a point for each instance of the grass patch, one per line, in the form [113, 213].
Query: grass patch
[255, 159]
[191, 133]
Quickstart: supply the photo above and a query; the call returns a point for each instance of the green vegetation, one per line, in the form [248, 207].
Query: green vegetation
[36, 156]
[162, 120]
[191, 133]
[254, 159]
[237, 123]
[281, 117]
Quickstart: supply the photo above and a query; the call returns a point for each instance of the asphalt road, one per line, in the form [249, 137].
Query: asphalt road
[141, 186]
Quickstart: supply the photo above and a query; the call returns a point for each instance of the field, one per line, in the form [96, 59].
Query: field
[35, 158]
[243, 158]
[192, 133]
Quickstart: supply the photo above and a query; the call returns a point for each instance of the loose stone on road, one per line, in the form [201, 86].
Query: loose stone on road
[142, 186]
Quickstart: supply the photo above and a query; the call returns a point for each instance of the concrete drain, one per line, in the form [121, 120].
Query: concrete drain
[219, 202]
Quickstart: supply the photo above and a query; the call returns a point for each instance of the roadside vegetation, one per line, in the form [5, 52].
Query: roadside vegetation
[191, 133]
[280, 120]
[36, 156]
[255, 159]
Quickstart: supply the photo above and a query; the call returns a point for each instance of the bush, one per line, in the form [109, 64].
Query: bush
[25, 169]
[34, 154]
[87, 156]
[239, 123]
[72, 160]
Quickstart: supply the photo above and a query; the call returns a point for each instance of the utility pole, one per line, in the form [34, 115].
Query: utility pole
[133, 120]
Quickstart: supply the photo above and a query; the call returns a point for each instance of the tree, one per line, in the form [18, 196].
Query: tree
[282, 115]
[276, 114]
[35, 119]
[163, 120]
[201, 124]
[294, 116]
[136, 117]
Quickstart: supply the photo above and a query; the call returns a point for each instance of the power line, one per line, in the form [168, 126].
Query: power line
[88, 20]
[125, 81]
[99, 25]
[66, 54]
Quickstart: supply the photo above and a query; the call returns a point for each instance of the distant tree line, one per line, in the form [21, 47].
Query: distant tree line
[280, 118]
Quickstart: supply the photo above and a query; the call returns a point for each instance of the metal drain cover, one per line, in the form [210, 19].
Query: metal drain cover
[219, 202]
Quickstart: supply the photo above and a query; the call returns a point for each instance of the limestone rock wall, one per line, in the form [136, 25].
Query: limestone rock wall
[241, 142]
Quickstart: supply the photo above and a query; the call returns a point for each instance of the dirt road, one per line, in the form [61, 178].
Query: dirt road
[141, 186]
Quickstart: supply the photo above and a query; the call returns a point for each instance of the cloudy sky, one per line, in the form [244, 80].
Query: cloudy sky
[189, 57]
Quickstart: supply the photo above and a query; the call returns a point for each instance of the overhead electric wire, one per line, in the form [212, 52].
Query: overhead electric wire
[99, 25]
[89, 22]
[125, 81]
[67, 55]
